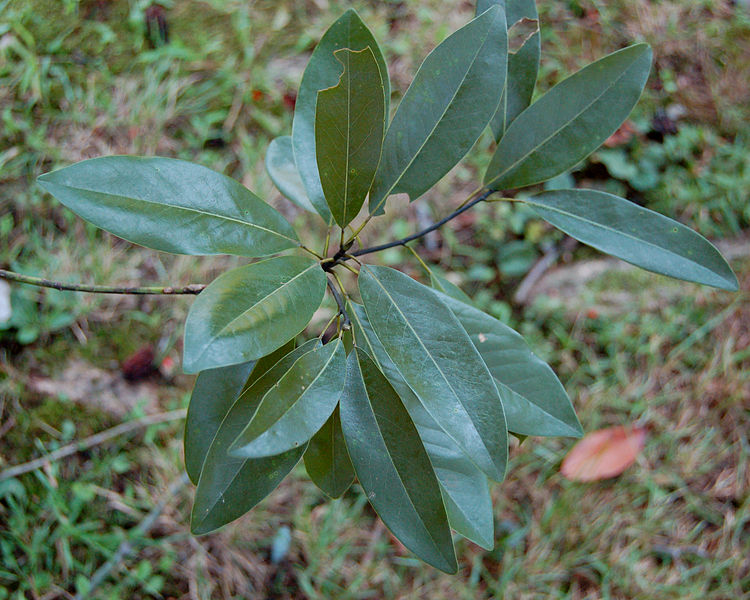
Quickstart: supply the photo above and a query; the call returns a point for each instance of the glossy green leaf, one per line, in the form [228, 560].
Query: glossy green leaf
[570, 121]
[447, 287]
[170, 205]
[453, 96]
[392, 465]
[523, 61]
[327, 460]
[250, 311]
[437, 359]
[297, 406]
[466, 493]
[228, 487]
[535, 401]
[214, 393]
[349, 129]
[323, 72]
[283, 172]
[635, 234]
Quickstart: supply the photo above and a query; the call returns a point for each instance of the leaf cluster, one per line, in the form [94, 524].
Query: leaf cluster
[415, 394]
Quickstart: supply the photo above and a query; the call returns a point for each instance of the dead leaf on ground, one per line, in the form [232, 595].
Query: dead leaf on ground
[604, 453]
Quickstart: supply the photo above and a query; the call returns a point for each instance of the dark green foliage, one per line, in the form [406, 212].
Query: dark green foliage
[421, 409]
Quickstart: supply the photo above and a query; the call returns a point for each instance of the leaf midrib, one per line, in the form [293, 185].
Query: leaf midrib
[620, 233]
[437, 122]
[250, 308]
[295, 403]
[563, 127]
[432, 359]
[223, 492]
[184, 208]
[435, 543]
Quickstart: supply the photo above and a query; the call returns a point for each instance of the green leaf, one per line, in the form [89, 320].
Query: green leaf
[297, 406]
[636, 235]
[283, 172]
[323, 72]
[392, 465]
[327, 459]
[228, 487]
[535, 401]
[250, 311]
[466, 493]
[214, 393]
[349, 128]
[447, 287]
[570, 121]
[523, 64]
[438, 361]
[170, 205]
[448, 105]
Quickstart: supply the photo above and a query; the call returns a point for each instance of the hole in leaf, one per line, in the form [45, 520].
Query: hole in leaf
[520, 33]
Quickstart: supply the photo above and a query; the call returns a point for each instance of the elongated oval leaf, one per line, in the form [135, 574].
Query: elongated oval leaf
[447, 106]
[323, 72]
[436, 357]
[523, 62]
[250, 311]
[327, 460]
[570, 121]
[283, 172]
[466, 494]
[297, 405]
[214, 393]
[536, 402]
[171, 205]
[228, 487]
[635, 234]
[392, 465]
[349, 128]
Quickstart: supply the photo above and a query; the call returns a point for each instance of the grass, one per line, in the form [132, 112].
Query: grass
[671, 357]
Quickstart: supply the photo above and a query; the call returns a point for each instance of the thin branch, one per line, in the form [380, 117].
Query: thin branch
[419, 234]
[340, 303]
[91, 441]
[194, 288]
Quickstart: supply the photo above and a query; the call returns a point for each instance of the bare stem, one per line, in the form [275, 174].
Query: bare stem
[339, 302]
[419, 234]
[194, 288]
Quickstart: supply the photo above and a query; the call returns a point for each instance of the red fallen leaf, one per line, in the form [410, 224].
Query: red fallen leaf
[603, 454]
[257, 95]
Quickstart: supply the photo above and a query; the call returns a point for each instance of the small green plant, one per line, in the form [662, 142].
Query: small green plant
[415, 393]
